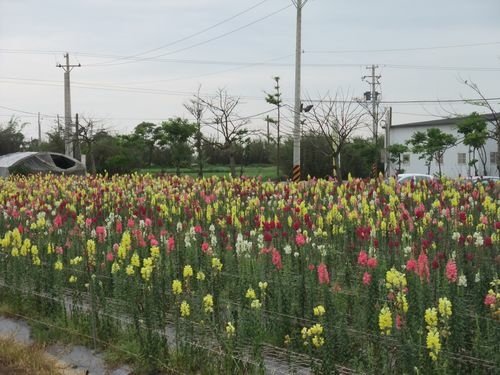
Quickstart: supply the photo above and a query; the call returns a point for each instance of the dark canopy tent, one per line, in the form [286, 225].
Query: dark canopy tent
[39, 162]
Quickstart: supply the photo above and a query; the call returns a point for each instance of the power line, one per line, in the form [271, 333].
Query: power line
[190, 36]
[404, 49]
[196, 44]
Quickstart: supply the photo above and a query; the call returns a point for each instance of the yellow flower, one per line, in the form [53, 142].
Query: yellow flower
[444, 307]
[318, 341]
[130, 270]
[401, 302]
[155, 251]
[58, 266]
[250, 294]
[256, 304]
[216, 264]
[73, 279]
[230, 330]
[115, 267]
[385, 320]
[288, 340]
[185, 310]
[200, 276]
[433, 343]
[395, 279]
[176, 287]
[135, 260]
[431, 317]
[263, 285]
[187, 272]
[319, 310]
[208, 303]
[316, 329]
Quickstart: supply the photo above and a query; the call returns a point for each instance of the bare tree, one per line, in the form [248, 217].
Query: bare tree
[87, 132]
[196, 107]
[226, 123]
[485, 103]
[336, 119]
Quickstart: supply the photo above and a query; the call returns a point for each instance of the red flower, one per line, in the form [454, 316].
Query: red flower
[268, 237]
[490, 299]
[205, 247]
[323, 276]
[451, 271]
[362, 258]
[170, 244]
[411, 265]
[372, 263]
[367, 278]
[300, 239]
[423, 266]
[277, 259]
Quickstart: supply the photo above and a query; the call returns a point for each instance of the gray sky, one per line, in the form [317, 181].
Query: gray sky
[340, 38]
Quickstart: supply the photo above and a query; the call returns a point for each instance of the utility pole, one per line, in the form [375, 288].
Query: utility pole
[372, 95]
[387, 159]
[76, 139]
[39, 131]
[299, 4]
[268, 120]
[68, 141]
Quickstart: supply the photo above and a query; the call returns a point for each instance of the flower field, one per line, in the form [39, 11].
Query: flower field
[369, 277]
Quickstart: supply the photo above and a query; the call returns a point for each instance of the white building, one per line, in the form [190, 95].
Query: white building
[455, 160]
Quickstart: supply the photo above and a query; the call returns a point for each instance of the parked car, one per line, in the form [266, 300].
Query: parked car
[485, 180]
[415, 177]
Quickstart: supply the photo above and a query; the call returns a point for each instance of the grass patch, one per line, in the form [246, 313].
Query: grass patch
[265, 171]
[20, 360]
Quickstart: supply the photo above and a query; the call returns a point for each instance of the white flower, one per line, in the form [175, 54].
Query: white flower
[296, 254]
[477, 278]
[211, 228]
[287, 249]
[142, 224]
[462, 280]
[407, 250]
[455, 236]
[179, 227]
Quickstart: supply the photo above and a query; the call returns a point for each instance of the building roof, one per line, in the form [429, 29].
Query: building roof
[441, 122]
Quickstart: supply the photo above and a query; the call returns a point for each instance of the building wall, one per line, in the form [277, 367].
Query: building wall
[451, 166]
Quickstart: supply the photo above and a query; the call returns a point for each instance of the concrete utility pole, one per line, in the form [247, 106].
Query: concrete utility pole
[39, 131]
[373, 81]
[388, 124]
[68, 131]
[299, 4]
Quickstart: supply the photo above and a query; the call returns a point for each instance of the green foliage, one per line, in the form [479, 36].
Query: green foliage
[431, 145]
[396, 152]
[475, 132]
[11, 136]
[174, 135]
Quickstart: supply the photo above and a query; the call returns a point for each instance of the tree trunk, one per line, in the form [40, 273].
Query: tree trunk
[232, 163]
[92, 159]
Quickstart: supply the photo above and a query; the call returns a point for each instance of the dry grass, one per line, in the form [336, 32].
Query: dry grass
[16, 359]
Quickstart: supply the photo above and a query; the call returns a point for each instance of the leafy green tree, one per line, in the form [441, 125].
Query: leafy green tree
[475, 132]
[275, 99]
[11, 136]
[396, 152]
[145, 134]
[431, 145]
[174, 135]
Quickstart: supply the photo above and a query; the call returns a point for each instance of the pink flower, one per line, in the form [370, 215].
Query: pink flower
[411, 265]
[154, 242]
[197, 229]
[148, 222]
[311, 267]
[88, 222]
[109, 257]
[399, 321]
[372, 262]
[170, 244]
[58, 221]
[323, 276]
[300, 240]
[423, 267]
[130, 223]
[59, 250]
[277, 259]
[367, 278]
[119, 227]
[101, 233]
[205, 247]
[490, 299]
[451, 271]
[362, 258]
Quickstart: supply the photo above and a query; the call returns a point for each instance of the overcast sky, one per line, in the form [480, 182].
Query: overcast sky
[141, 60]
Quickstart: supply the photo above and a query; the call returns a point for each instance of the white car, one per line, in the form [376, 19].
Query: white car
[484, 179]
[415, 177]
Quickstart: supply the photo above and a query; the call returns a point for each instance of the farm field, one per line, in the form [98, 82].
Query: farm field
[224, 275]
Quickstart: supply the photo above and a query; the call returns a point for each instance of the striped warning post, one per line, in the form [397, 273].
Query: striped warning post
[296, 173]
